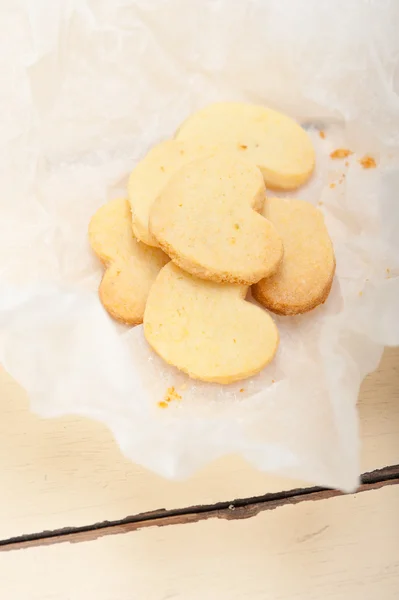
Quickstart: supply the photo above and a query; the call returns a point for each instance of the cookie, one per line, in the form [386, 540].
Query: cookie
[205, 219]
[305, 276]
[131, 267]
[276, 143]
[150, 176]
[206, 329]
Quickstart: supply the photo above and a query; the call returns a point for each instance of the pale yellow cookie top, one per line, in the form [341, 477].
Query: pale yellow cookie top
[131, 266]
[207, 329]
[306, 271]
[273, 141]
[205, 219]
[152, 173]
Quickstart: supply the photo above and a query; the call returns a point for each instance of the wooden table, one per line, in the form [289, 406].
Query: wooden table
[79, 521]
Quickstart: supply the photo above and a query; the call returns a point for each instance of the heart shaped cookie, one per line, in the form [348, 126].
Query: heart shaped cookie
[150, 176]
[131, 267]
[305, 276]
[276, 143]
[207, 329]
[205, 219]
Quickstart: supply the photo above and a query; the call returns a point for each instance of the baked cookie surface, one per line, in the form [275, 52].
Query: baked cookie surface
[273, 141]
[150, 176]
[130, 266]
[206, 329]
[206, 220]
[305, 276]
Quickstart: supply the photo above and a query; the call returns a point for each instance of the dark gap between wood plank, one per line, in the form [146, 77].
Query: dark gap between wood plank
[242, 508]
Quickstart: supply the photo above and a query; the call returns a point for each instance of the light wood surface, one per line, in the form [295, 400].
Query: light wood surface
[342, 548]
[69, 472]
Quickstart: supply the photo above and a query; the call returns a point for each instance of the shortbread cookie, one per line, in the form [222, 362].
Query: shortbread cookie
[207, 329]
[305, 276]
[131, 267]
[205, 219]
[150, 176]
[276, 143]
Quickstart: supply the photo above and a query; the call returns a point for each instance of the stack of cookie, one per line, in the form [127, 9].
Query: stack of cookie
[199, 229]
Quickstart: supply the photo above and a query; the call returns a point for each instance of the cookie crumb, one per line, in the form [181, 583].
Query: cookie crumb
[242, 390]
[273, 381]
[347, 163]
[332, 185]
[322, 134]
[341, 153]
[360, 293]
[171, 394]
[163, 404]
[368, 162]
[236, 226]
[162, 168]
[243, 146]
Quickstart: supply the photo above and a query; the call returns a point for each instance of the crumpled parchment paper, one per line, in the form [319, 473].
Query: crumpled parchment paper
[86, 87]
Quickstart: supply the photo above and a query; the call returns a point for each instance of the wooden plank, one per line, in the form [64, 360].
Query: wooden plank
[379, 414]
[69, 472]
[337, 548]
[239, 509]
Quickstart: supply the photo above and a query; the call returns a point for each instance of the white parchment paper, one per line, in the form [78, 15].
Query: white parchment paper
[86, 87]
